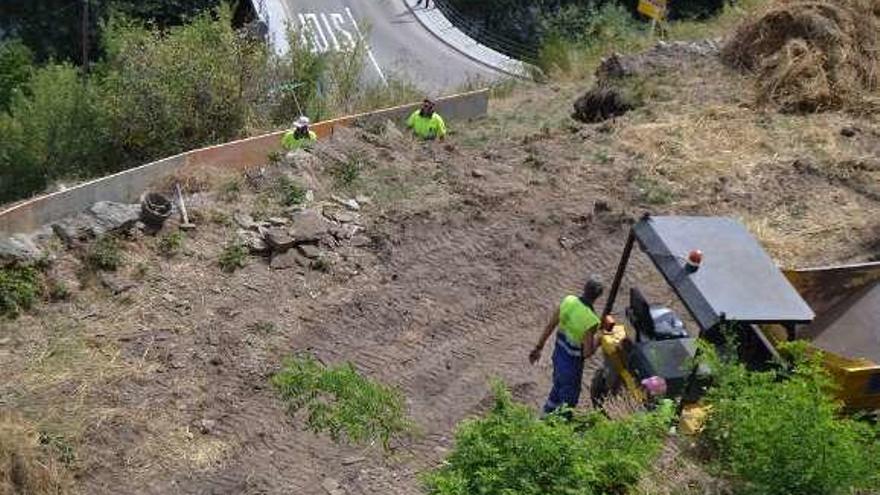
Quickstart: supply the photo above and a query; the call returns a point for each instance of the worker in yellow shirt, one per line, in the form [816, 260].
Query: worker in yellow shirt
[576, 324]
[300, 136]
[426, 123]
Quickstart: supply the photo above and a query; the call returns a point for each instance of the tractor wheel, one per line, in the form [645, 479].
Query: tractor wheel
[599, 388]
[604, 384]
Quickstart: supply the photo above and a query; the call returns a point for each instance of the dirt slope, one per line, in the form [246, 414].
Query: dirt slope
[164, 388]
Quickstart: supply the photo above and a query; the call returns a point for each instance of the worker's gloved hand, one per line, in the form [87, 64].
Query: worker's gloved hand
[535, 355]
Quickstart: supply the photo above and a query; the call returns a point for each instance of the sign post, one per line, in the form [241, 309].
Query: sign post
[655, 9]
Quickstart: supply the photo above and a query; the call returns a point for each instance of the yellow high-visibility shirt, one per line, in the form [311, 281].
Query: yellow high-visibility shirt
[427, 127]
[576, 319]
[290, 142]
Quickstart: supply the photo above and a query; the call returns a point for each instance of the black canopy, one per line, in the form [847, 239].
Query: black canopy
[737, 280]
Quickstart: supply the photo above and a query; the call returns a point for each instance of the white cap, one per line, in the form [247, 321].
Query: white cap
[301, 122]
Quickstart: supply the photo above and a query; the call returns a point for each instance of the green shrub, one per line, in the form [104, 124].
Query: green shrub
[177, 89]
[586, 33]
[104, 254]
[16, 68]
[233, 256]
[57, 290]
[289, 191]
[341, 402]
[169, 245]
[346, 173]
[58, 130]
[512, 451]
[19, 289]
[782, 433]
[230, 190]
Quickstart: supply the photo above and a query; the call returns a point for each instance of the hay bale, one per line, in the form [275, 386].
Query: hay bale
[795, 80]
[811, 55]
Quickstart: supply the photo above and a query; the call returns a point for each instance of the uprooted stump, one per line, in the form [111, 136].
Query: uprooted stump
[599, 104]
[811, 55]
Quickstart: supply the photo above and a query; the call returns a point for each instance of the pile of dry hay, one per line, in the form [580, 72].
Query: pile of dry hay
[811, 55]
[26, 467]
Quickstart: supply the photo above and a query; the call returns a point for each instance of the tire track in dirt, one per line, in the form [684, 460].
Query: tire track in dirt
[460, 304]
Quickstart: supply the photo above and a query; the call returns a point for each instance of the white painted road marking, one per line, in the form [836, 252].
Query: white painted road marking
[327, 31]
[367, 45]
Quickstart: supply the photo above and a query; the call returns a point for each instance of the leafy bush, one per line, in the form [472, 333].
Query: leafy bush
[57, 290]
[170, 244]
[19, 288]
[16, 67]
[177, 89]
[289, 191]
[784, 434]
[585, 34]
[233, 257]
[347, 172]
[104, 254]
[513, 451]
[341, 402]
[58, 129]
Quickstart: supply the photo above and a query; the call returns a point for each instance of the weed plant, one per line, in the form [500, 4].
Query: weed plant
[511, 450]
[19, 289]
[341, 402]
[233, 256]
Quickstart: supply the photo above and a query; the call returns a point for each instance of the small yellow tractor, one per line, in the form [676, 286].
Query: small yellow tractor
[728, 283]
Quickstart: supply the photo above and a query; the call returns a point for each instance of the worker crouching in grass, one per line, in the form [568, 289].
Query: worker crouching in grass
[300, 136]
[426, 123]
[576, 324]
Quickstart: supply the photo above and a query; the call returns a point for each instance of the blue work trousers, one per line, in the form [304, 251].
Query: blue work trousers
[568, 370]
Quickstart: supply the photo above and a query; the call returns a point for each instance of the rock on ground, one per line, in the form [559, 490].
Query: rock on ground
[102, 218]
[19, 249]
[310, 226]
[279, 239]
[253, 241]
[290, 259]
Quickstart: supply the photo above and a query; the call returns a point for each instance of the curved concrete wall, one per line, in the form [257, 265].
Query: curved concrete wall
[127, 186]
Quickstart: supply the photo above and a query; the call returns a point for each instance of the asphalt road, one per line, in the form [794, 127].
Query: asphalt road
[399, 46]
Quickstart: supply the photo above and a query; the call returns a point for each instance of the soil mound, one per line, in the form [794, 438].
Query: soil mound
[599, 104]
[811, 55]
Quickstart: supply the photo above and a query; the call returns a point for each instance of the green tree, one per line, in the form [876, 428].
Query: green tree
[57, 130]
[16, 67]
[53, 28]
[178, 89]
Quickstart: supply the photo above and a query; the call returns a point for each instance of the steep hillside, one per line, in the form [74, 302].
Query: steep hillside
[155, 378]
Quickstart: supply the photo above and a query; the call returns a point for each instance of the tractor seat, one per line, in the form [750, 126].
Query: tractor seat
[653, 321]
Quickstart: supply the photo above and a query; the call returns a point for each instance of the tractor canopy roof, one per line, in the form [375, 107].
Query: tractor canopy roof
[736, 280]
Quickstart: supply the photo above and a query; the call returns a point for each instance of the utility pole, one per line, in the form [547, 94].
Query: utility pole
[85, 36]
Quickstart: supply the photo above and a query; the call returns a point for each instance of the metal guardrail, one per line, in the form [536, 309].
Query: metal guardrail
[478, 31]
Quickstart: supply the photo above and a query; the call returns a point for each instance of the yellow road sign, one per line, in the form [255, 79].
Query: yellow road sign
[655, 9]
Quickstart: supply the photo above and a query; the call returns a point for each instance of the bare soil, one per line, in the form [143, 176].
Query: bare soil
[164, 388]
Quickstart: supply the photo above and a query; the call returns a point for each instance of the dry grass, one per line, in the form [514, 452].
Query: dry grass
[26, 466]
[677, 472]
[811, 55]
[621, 406]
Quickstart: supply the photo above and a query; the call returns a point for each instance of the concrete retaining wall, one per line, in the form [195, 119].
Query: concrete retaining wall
[127, 186]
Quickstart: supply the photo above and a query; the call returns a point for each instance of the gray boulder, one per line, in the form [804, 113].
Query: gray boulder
[19, 249]
[310, 226]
